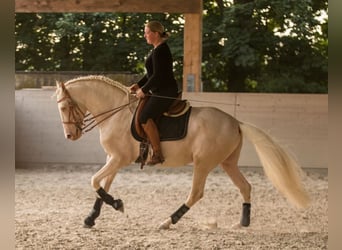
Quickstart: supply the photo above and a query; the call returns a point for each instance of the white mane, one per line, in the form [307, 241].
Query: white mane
[101, 78]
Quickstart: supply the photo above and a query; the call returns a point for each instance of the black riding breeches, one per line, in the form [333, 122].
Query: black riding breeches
[154, 108]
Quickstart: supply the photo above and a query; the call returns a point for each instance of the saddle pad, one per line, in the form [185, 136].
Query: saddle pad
[170, 128]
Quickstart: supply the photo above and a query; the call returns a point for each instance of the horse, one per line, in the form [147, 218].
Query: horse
[214, 138]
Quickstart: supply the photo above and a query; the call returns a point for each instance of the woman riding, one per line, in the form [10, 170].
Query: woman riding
[158, 83]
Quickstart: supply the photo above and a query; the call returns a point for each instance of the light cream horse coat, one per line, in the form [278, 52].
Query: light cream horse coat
[214, 138]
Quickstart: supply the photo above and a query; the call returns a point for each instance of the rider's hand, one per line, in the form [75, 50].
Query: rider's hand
[133, 88]
[139, 93]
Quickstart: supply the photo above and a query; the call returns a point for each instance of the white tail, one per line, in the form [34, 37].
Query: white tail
[282, 170]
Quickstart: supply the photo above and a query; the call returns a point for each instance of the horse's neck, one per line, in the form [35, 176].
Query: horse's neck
[98, 97]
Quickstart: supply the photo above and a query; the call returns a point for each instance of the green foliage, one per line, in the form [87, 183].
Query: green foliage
[258, 46]
[264, 42]
[286, 84]
[89, 41]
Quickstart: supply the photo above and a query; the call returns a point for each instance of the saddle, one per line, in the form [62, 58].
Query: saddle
[178, 108]
[172, 125]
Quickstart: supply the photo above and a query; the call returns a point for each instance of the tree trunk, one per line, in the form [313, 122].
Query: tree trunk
[236, 79]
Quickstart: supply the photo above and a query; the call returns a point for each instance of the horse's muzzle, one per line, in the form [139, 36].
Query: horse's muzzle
[73, 136]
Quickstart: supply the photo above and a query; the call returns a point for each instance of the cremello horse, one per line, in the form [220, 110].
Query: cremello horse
[214, 138]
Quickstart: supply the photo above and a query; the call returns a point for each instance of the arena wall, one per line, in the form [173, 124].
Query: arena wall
[299, 122]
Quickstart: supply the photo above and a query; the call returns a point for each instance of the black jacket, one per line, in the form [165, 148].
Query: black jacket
[159, 78]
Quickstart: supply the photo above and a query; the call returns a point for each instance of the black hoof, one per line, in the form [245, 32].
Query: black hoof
[246, 215]
[118, 205]
[88, 223]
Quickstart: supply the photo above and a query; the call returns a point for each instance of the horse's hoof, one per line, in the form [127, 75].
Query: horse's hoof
[236, 226]
[121, 209]
[88, 223]
[118, 205]
[210, 223]
[165, 225]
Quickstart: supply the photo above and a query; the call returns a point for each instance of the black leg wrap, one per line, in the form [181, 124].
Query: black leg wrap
[246, 214]
[108, 199]
[179, 213]
[94, 213]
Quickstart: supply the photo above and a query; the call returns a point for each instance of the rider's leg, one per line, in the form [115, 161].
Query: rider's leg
[152, 133]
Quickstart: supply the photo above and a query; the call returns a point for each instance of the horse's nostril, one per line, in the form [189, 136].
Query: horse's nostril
[68, 136]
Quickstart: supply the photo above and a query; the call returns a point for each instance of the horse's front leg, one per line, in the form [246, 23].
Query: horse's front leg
[109, 169]
[95, 212]
[106, 174]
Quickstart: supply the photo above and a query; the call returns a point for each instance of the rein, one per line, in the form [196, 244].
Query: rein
[191, 100]
[112, 112]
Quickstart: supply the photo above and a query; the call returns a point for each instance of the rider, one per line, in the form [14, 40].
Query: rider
[158, 83]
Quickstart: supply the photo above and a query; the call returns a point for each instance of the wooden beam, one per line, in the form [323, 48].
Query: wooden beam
[149, 6]
[192, 53]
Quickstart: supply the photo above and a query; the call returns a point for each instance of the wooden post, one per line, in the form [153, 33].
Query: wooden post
[192, 53]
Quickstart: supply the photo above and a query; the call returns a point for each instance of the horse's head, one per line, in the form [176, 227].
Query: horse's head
[71, 113]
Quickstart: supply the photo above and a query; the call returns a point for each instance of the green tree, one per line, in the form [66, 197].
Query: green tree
[248, 45]
[268, 46]
[90, 41]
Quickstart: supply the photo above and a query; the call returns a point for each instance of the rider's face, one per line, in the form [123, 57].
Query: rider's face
[150, 36]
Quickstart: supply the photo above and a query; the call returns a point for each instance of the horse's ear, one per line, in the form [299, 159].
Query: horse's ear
[60, 84]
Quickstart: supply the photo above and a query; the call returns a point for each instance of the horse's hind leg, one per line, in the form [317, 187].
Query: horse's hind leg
[231, 168]
[196, 193]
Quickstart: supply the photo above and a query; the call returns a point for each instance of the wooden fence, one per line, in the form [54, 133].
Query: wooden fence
[49, 78]
[298, 121]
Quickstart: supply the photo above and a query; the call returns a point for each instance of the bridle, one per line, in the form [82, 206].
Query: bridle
[81, 121]
[76, 115]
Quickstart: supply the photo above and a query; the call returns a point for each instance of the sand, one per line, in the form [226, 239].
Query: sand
[52, 200]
